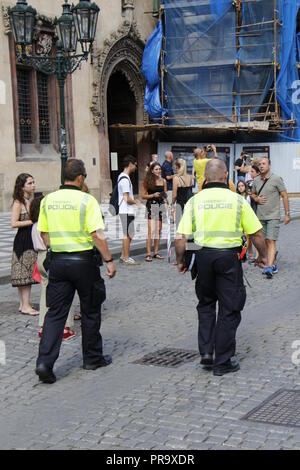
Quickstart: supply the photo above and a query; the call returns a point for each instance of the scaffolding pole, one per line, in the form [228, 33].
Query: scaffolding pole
[162, 63]
[275, 56]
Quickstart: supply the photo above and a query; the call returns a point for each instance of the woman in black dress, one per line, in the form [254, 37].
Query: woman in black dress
[182, 188]
[24, 256]
[155, 193]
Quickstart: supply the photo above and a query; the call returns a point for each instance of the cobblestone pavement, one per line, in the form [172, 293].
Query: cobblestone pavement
[131, 406]
[113, 233]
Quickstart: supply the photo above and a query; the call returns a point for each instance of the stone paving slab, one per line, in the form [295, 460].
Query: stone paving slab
[131, 406]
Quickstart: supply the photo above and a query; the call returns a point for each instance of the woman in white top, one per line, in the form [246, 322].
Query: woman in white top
[241, 189]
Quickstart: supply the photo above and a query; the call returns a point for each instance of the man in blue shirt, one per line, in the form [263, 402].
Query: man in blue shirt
[167, 170]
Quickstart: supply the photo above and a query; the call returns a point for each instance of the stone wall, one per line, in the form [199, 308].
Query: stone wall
[90, 134]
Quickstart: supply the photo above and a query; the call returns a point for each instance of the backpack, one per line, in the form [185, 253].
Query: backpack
[114, 198]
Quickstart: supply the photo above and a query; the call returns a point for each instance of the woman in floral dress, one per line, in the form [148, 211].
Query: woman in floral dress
[24, 256]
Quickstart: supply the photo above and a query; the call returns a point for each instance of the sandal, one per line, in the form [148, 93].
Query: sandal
[157, 256]
[148, 258]
[33, 313]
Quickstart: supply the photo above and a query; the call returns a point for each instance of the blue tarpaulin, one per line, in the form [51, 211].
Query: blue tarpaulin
[220, 7]
[289, 75]
[150, 67]
[200, 62]
[213, 78]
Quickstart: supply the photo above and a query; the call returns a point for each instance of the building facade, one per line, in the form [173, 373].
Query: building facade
[108, 89]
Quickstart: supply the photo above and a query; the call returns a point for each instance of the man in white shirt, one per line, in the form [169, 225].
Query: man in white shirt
[126, 208]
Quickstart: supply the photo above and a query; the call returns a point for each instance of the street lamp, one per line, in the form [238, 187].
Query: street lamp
[77, 23]
[66, 30]
[85, 18]
[22, 18]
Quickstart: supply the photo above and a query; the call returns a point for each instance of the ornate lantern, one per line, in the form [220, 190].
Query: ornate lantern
[22, 18]
[86, 17]
[66, 30]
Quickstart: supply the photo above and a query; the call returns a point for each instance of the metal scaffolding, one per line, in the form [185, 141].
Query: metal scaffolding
[266, 113]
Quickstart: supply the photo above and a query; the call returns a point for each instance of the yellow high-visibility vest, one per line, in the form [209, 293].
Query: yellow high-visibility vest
[69, 216]
[217, 218]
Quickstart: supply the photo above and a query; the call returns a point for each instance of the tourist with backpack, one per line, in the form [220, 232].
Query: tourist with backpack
[126, 203]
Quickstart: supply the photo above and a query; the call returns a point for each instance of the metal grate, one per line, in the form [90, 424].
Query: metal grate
[43, 100]
[168, 358]
[281, 408]
[23, 77]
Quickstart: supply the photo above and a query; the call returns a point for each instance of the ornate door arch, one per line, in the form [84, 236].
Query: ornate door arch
[122, 53]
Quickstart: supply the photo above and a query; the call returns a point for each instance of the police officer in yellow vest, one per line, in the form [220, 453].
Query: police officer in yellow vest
[71, 224]
[216, 218]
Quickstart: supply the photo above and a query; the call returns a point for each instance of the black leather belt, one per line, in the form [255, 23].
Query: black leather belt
[207, 248]
[76, 255]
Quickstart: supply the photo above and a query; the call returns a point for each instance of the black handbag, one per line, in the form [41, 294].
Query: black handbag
[189, 259]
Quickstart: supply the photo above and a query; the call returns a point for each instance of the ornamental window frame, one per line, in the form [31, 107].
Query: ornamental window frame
[37, 149]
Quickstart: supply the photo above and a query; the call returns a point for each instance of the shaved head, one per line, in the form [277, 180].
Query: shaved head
[169, 156]
[216, 171]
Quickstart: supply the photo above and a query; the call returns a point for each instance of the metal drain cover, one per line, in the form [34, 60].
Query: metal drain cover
[168, 357]
[282, 408]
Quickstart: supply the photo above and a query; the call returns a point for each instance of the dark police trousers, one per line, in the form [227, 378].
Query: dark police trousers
[68, 273]
[220, 279]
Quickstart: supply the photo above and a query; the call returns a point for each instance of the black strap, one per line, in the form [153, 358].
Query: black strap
[120, 179]
[266, 180]
[124, 177]
[182, 182]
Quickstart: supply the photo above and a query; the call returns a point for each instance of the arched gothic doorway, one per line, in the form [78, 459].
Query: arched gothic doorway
[118, 73]
[121, 109]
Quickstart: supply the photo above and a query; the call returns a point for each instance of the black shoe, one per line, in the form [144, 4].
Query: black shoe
[45, 374]
[103, 362]
[230, 366]
[206, 359]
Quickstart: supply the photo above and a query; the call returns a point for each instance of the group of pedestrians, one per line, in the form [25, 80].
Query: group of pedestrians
[165, 193]
[69, 223]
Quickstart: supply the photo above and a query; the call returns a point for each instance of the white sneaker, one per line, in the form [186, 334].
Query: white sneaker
[130, 262]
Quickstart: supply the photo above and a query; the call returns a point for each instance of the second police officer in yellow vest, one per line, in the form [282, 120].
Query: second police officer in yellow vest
[216, 218]
[71, 224]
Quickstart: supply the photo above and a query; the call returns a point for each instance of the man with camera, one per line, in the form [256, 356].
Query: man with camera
[243, 166]
[216, 218]
[202, 157]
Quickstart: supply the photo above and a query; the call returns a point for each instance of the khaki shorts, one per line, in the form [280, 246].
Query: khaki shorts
[270, 229]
